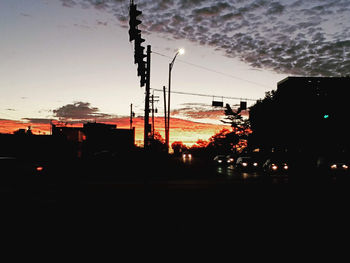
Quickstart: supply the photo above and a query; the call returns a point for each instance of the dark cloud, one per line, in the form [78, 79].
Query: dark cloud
[292, 37]
[100, 23]
[275, 8]
[78, 111]
[68, 3]
[37, 120]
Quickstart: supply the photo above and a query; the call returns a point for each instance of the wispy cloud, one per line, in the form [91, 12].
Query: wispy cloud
[287, 36]
[198, 111]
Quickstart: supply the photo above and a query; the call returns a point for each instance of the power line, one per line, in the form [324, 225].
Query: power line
[206, 95]
[214, 71]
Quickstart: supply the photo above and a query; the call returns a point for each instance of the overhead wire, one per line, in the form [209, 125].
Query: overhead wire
[213, 70]
[206, 95]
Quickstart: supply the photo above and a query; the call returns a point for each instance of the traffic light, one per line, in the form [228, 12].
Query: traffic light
[134, 22]
[243, 105]
[326, 116]
[135, 35]
[217, 103]
[139, 54]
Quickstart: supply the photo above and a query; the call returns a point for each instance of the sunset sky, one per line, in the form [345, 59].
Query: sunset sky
[71, 60]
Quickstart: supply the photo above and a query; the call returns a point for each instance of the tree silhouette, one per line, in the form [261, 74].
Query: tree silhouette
[240, 127]
[222, 142]
[157, 143]
[178, 147]
[262, 117]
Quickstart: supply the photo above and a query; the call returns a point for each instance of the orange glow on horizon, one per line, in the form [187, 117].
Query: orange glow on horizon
[188, 132]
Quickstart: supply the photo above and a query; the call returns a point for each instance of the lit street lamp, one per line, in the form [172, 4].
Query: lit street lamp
[181, 51]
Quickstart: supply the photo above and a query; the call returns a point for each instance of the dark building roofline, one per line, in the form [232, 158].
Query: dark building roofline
[310, 79]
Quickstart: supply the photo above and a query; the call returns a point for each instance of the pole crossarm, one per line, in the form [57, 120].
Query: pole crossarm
[206, 95]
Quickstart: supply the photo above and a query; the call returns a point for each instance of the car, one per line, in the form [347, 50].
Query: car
[335, 166]
[230, 159]
[220, 160]
[246, 163]
[274, 166]
[14, 169]
[186, 156]
[339, 167]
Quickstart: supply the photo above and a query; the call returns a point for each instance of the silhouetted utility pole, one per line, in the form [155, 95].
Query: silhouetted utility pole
[148, 76]
[143, 67]
[153, 99]
[165, 121]
[132, 114]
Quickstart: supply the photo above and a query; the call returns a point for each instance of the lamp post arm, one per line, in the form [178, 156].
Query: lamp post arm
[173, 61]
[168, 113]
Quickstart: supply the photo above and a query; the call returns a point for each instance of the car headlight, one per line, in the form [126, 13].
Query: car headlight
[333, 166]
[255, 164]
[245, 164]
[345, 167]
[285, 167]
[39, 168]
[274, 167]
[219, 161]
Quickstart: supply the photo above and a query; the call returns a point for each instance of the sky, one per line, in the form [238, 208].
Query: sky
[71, 60]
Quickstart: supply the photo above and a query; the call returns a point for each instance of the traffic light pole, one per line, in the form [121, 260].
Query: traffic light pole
[148, 87]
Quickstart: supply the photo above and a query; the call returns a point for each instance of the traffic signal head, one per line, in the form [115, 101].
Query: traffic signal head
[141, 68]
[142, 72]
[243, 105]
[134, 22]
[139, 55]
[143, 80]
[135, 35]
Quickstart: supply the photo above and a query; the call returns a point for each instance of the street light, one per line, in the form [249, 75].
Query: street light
[181, 51]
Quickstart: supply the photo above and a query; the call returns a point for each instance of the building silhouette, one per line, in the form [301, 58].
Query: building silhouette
[96, 137]
[304, 114]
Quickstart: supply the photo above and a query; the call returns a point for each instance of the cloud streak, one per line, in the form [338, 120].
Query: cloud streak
[310, 38]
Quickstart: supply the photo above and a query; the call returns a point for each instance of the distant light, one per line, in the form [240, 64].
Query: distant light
[181, 51]
[39, 168]
[274, 167]
[334, 166]
[326, 116]
[245, 164]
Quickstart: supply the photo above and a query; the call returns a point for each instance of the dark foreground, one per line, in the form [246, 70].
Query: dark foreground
[153, 201]
[51, 181]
